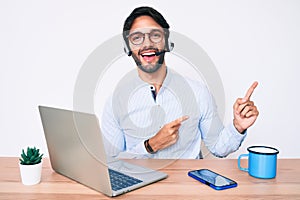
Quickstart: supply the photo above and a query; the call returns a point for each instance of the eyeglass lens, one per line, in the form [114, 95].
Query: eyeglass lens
[137, 38]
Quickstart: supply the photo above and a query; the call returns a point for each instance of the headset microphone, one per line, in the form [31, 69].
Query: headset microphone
[170, 47]
[160, 52]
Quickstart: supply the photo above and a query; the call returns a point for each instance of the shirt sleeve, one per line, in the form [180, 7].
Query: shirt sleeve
[114, 137]
[220, 140]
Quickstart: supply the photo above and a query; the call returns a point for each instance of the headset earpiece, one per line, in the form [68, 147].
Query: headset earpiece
[170, 46]
[127, 49]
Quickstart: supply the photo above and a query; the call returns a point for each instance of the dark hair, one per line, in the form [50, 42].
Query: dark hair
[145, 11]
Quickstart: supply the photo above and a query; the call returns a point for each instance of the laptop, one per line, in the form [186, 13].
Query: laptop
[76, 150]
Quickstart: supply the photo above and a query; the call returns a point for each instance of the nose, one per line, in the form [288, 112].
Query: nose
[147, 40]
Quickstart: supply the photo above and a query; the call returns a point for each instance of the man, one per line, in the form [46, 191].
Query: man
[156, 113]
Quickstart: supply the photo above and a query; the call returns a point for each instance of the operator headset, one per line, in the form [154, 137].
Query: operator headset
[168, 44]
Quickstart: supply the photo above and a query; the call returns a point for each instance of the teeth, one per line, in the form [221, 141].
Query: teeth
[148, 54]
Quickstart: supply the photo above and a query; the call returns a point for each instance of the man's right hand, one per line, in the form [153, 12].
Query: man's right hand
[167, 135]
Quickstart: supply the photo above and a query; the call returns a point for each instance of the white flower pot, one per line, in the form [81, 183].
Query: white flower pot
[31, 174]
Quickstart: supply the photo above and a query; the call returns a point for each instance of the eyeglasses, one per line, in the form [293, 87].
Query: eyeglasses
[138, 38]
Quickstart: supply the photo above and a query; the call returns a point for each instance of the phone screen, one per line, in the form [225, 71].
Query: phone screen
[212, 179]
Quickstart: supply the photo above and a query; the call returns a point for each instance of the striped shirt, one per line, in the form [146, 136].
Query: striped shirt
[134, 113]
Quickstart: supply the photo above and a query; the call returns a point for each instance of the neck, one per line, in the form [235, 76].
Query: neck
[156, 78]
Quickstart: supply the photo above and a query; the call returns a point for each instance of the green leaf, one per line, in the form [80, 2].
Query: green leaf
[32, 158]
[29, 152]
[36, 153]
[23, 152]
[24, 157]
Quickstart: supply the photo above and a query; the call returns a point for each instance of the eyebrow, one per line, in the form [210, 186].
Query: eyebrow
[139, 31]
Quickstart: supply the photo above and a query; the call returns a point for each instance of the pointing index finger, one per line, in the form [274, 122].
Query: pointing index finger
[250, 90]
[179, 120]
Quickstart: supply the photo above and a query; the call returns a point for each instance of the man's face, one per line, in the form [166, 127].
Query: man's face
[146, 38]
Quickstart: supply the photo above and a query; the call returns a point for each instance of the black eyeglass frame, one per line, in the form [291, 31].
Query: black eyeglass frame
[150, 34]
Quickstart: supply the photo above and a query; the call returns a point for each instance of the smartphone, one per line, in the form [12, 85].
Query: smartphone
[212, 179]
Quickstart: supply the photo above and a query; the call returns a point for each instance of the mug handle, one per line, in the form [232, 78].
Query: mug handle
[239, 162]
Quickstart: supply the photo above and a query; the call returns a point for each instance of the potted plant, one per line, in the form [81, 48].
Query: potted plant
[31, 166]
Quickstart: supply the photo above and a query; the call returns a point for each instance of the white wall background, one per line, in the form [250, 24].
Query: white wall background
[43, 45]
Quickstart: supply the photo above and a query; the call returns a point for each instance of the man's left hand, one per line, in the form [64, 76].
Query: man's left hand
[245, 112]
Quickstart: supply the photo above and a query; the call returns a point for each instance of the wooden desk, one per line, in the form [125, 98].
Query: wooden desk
[177, 186]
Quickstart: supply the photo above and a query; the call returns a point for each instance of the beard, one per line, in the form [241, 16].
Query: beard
[149, 68]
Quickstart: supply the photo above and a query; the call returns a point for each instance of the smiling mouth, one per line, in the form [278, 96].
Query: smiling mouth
[148, 54]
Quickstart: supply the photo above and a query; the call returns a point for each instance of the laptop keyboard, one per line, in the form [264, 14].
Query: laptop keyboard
[119, 180]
